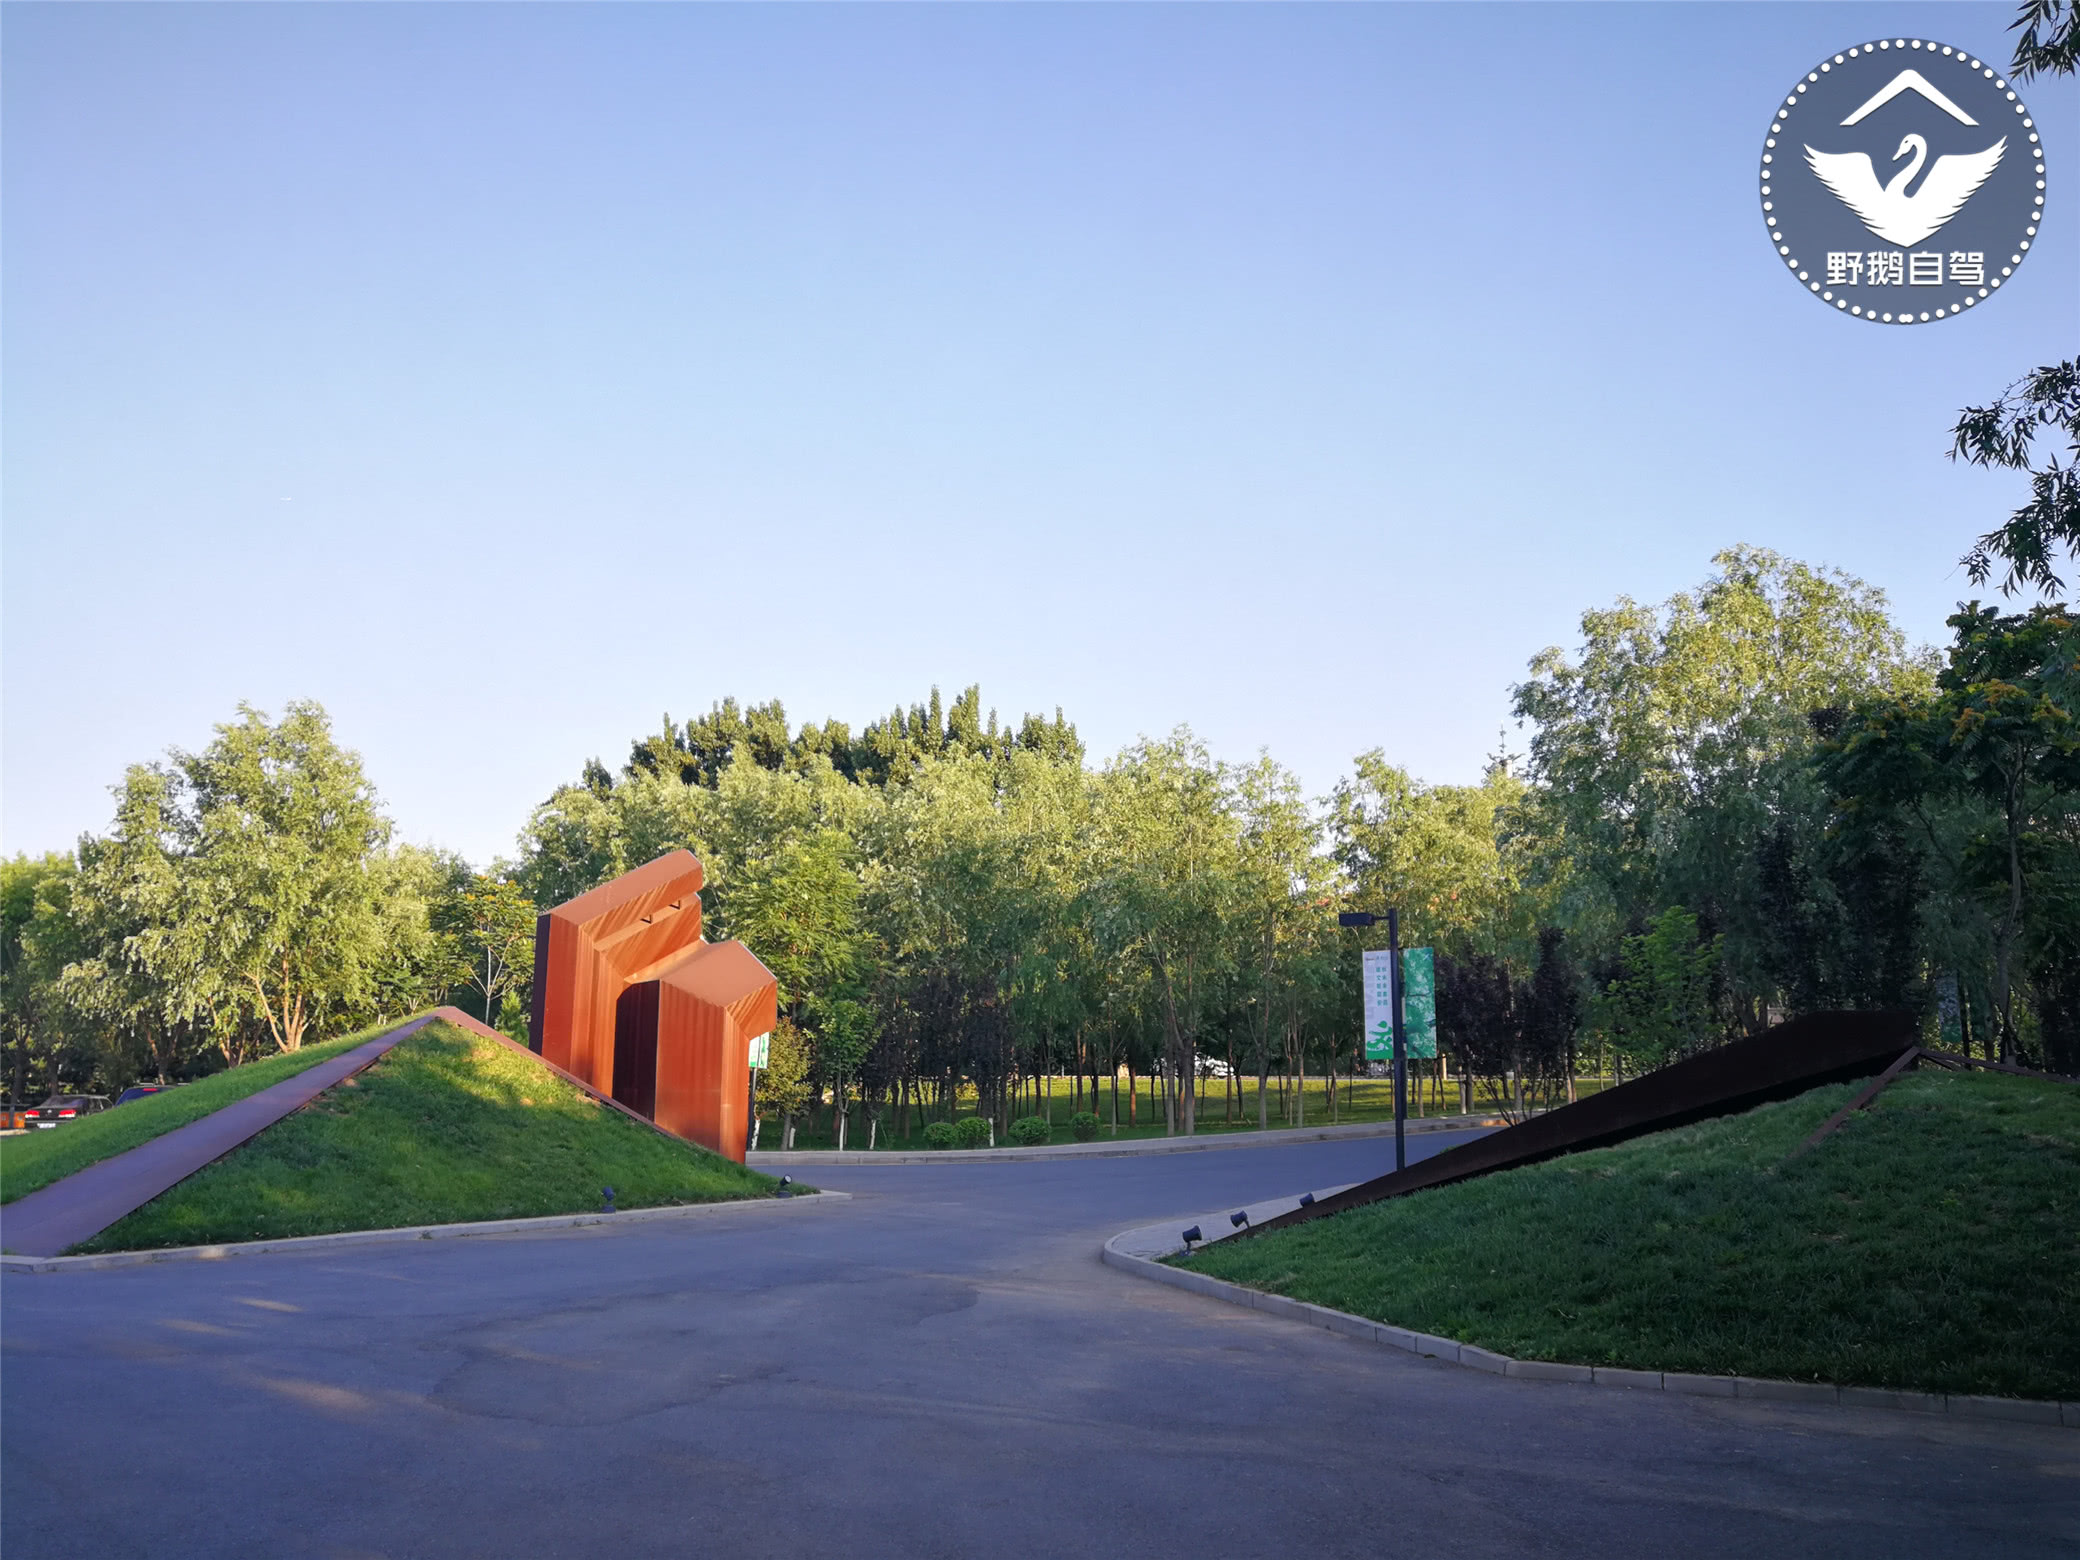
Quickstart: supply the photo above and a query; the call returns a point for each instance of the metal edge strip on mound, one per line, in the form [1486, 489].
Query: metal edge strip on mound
[2013, 1410]
[545, 1224]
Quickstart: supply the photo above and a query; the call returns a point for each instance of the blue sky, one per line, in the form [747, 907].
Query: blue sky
[503, 377]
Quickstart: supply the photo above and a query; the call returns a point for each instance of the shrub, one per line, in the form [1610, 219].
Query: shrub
[1084, 1125]
[971, 1132]
[1031, 1131]
[940, 1134]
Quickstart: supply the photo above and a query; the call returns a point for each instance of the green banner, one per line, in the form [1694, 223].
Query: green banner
[1419, 1004]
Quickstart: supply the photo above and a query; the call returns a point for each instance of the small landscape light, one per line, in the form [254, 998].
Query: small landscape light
[1239, 1219]
[607, 1192]
[786, 1181]
[1191, 1235]
[1307, 1199]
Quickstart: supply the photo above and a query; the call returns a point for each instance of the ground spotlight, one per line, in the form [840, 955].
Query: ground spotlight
[1307, 1199]
[1191, 1235]
[607, 1194]
[1239, 1219]
[786, 1186]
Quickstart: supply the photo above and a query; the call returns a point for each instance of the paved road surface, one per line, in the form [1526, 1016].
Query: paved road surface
[939, 1368]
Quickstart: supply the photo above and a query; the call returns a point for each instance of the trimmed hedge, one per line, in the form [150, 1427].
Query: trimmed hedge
[1030, 1131]
[1083, 1126]
[972, 1132]
[940, 1134]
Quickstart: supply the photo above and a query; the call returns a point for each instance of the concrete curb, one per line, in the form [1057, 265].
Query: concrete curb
[2011, 1410]
[294, 1243]
[1277, 1137]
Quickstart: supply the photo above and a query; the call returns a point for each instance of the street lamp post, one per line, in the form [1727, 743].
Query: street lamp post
[1393, 920]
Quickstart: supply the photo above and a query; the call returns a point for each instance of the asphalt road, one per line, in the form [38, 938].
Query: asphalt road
[940, 1367]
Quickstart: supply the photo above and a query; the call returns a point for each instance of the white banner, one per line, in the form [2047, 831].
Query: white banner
[1379, 1005]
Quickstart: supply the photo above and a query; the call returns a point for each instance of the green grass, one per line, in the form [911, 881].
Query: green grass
[1366, 1100]
[38, 1158]
[445, 1128]
[1931, 1244]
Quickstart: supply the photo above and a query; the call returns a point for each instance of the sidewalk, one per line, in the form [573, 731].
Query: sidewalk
[1277, 1137]
[88, 1201]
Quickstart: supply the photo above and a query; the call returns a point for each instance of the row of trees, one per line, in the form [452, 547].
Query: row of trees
[1750, 801]
[247, 897]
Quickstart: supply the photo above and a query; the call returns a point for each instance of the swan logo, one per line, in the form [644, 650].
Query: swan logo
[1902, 181]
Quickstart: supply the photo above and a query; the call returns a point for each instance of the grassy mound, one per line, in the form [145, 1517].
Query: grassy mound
[1932, 1244]
[446, 1127]
[39, 1158]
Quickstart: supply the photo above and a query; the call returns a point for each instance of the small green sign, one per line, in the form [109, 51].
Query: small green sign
[761, 1048]
[1419, 1004]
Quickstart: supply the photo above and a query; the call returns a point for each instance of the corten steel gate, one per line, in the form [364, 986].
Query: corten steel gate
[1774, 1065]
[628, 997]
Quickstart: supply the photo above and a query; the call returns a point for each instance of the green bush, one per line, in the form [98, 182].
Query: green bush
[940, 1134]
[1084, 1126]
[971, 1132]
[1031, 1131]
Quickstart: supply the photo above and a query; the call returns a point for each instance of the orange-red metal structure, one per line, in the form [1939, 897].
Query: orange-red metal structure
[630, 999]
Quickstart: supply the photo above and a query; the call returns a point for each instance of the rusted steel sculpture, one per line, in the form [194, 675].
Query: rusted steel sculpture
[630, 999]
[1774, 1065]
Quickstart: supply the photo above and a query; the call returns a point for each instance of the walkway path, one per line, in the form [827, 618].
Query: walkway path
[88, 1201]
[939, 1368]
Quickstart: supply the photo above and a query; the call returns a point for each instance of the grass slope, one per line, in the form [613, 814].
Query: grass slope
[39, 1158]
[447, 1127]
[1932, 1243]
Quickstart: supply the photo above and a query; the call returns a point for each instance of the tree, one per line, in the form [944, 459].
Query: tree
[1673, 747]
[487, 925]
[274, 837]
[1989, 767]
[2004, 434]
[32, 888]
[2050, 38]
[1170, 892]
[783, 1084]
[1443, 855]
[1661, 1008]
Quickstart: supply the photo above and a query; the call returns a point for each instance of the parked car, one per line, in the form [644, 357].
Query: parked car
[61, 1108]
[138, 1091]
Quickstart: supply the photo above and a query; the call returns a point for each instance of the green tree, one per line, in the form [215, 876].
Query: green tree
[2004, 433]
[1661, 1008]
[276, 845]
[1988, 766]
[783, 1083]
[1673, 746]
[487, 926]
[32, 888]
[1170, 893]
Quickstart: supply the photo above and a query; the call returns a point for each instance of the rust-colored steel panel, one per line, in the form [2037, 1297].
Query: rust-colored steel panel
[697, 1019]
[1786, 1060]
[589, 949]
[629, 999]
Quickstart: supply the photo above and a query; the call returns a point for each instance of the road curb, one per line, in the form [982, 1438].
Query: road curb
[292, 1243]
[1276, 1137]
[2009, 1410]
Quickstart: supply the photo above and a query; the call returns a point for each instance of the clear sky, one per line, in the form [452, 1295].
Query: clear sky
[504, 377]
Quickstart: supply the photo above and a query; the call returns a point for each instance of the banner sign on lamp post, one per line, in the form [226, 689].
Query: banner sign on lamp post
[1418, 1006]
[1379, 1005]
